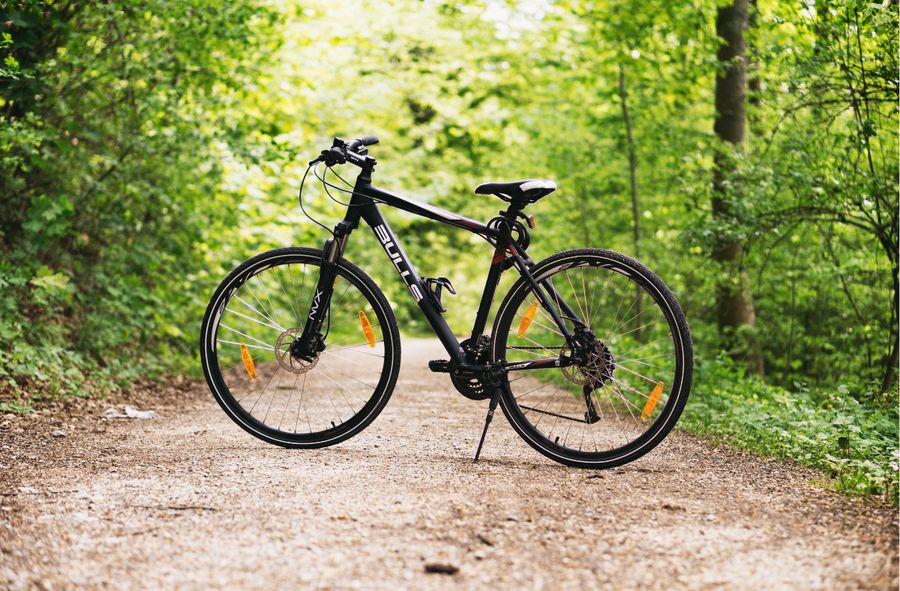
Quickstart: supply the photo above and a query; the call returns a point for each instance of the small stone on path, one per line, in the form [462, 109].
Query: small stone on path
[130, 413]
[441, 569]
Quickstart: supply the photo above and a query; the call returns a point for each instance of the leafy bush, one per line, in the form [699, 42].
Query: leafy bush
[114, 121]
[855, 442]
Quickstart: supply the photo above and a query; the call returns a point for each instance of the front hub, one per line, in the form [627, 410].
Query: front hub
[289, 354]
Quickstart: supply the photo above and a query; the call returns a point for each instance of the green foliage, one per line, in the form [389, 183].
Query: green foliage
[827, 429]
[147, 147]
[113, 120]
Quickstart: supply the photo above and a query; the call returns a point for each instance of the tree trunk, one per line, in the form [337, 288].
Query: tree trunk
[890, 368]
[754, 85]
[635, 210]
[734, 302]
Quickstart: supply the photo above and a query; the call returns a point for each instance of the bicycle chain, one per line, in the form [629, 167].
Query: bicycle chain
[535, 348]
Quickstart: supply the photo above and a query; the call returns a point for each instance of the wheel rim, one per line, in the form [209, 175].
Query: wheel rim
[259, 316]
[634, 370]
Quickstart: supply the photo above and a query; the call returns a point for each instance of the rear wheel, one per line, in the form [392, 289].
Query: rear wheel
[255, 315]
[633, 380]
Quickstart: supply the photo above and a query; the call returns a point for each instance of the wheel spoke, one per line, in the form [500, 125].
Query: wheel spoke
[628, 404]
[244, 344]
[629, 388]
[638, 328]
[255, 340]
[620, 360]
[288, 403]
[289, 299]
[584, 292]
[342, 387]
[253, 293]
[651, 380]
[533, 390]
[276, 327]
[553, 330]
[529, 352]
[575, 294]
[272, 322]
[300, 405]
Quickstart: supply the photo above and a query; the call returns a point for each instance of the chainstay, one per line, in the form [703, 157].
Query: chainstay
[553, 414]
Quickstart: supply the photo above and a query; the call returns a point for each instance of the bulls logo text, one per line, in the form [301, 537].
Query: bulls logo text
[391, 249]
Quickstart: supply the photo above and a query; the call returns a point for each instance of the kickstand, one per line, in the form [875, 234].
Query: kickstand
[591, 416]
[487, 421]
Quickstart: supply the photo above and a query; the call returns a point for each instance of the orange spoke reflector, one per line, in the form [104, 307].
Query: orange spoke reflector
[367, 328]
[527, 318]
[652, 401]
[248, 361]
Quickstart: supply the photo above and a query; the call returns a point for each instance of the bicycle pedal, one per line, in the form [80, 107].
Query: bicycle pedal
[439, 366]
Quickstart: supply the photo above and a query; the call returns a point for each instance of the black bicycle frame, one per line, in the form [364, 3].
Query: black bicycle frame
[507, 252]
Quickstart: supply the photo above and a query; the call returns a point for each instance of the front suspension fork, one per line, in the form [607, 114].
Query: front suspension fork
[310, 344]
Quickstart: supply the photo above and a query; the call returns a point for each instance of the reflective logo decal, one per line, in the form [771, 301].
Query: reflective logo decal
[315, 304]
[393, 252]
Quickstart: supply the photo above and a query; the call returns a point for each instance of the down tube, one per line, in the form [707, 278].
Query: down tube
[414, 283]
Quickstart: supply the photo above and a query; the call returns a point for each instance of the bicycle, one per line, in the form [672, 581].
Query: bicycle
[589, 356]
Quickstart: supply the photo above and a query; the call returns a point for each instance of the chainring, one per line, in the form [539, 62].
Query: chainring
[468, 384]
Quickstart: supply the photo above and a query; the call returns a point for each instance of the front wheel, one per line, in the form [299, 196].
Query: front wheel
[245, 348]
[635, 359]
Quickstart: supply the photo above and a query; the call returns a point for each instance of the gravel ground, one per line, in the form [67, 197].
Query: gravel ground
[188, 500]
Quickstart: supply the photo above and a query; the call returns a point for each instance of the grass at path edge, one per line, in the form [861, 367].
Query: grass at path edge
[853, 441]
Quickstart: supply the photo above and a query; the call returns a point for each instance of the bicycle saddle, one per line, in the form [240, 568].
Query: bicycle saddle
[527, 191]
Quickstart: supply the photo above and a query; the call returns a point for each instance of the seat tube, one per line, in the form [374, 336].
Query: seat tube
[490, 288]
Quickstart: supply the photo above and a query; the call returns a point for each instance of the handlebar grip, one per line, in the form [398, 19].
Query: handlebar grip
[368, 140]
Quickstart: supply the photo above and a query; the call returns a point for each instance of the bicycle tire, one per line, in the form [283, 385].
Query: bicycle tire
[220, 389]
[682, 365]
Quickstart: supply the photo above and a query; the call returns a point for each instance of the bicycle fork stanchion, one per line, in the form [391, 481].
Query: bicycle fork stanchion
[305, 346]
[487, 421]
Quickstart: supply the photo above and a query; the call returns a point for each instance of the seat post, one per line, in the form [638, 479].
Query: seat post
[512, 212]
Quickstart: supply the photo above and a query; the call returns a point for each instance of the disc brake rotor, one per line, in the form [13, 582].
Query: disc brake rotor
[598, 370]
[283, 353]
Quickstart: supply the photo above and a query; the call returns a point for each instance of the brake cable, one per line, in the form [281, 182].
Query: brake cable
[300, 199]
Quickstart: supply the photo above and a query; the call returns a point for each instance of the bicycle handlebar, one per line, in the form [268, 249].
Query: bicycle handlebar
[340, 151]
[366, 140]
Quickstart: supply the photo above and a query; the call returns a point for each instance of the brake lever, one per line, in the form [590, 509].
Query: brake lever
[339, 153]
[332, 156]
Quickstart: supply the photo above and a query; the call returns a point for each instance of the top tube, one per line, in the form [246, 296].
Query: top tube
[427, 210]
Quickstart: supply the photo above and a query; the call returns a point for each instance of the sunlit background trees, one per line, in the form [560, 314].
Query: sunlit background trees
[745, 150]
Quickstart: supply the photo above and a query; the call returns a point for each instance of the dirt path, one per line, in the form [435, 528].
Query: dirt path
[188, 500]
